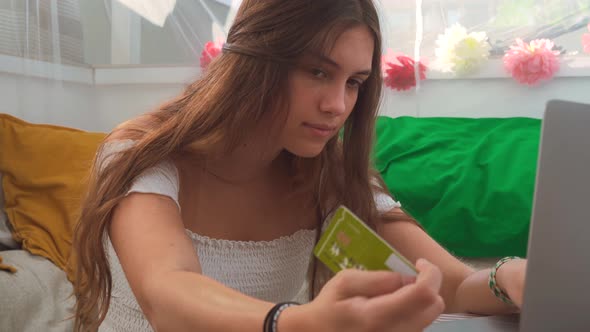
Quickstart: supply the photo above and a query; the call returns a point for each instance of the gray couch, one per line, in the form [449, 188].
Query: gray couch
[37, 298]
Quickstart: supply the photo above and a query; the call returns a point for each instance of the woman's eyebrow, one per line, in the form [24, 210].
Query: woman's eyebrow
[332, 63]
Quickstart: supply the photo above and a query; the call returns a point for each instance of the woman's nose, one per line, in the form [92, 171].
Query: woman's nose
[334, 100]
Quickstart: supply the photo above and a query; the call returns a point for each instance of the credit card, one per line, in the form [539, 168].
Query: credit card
[349, 243]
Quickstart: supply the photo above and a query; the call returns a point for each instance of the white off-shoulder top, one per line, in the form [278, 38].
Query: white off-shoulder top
[274, 271]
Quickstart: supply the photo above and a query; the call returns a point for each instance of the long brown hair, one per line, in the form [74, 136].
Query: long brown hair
[213, 115]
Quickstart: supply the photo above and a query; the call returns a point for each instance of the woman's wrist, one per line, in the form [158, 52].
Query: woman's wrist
[501, 277]
[296, 318]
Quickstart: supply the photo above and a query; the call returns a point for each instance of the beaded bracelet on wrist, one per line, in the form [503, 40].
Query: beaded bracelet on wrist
[493, 284]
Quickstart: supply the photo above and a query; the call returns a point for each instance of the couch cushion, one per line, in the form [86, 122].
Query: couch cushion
[38, 297]
[468, 181]
[44, 170]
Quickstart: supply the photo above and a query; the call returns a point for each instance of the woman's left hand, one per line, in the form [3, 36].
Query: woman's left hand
[511, 278]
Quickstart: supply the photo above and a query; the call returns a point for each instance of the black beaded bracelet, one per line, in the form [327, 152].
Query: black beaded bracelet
[272, 317]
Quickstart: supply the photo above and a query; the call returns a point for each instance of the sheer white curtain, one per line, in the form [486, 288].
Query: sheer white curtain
[502, 20]
[42, 30]
[39, 40]
[93, 63]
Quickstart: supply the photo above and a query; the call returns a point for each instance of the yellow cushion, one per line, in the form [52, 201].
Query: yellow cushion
[45, 168]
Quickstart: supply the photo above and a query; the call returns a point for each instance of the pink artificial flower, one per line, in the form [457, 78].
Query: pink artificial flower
[211, 50]
[399, 73]
[531, 63]
[586, 40]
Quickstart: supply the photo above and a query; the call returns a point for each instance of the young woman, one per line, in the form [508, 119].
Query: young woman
[202, 215]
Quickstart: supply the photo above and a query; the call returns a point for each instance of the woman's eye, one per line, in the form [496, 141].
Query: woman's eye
[355, 84]
[318, 73]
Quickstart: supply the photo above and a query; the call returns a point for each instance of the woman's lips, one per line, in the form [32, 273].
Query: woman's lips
[321, 130]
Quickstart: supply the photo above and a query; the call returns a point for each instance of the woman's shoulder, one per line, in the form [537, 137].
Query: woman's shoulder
[161, 179]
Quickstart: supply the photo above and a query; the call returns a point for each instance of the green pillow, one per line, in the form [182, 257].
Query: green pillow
[468, 181]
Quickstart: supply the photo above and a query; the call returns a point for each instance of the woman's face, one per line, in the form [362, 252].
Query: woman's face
[323, 91]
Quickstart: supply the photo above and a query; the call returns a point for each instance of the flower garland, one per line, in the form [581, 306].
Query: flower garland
[533, 62]
[586, 40]
[399, 71]
[210, 52]
[459, 52]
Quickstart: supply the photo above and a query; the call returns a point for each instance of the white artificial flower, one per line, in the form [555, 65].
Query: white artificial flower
[460, 52]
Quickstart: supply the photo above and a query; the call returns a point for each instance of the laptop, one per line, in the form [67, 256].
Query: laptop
[557, 290]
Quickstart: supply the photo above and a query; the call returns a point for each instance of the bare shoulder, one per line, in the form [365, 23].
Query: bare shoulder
[149, 238]
[141, 203]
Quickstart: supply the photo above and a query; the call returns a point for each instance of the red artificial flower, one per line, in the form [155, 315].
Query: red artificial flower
[211, 51]
[401, 76]
[586, 40]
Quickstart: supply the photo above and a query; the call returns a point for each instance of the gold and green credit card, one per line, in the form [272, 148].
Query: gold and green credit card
[349, 243]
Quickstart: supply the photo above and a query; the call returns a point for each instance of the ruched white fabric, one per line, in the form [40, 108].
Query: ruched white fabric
[274, 271]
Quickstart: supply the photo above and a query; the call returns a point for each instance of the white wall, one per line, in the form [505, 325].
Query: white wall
[47, 101]
[493, 97]
[87, 106]
[490, 92]
[117, 103]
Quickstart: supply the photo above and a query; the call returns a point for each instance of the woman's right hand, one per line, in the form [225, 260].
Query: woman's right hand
[372, 301]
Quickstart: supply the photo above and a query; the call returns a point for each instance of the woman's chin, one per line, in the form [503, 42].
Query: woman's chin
[307, 151]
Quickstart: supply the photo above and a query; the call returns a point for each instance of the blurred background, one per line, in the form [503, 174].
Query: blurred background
[91, 64]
